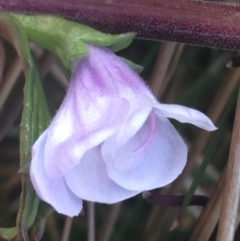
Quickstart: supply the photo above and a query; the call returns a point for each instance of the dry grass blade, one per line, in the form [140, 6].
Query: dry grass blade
[67, 229]
[13, 108]
[9, 80]
[237, 225]
[52, 228]
[159, 215]
[172, 68]
[212, 70]
[48, 65]
[58, 74]
[230, 81]
[158, 84]
[161, 67]
[230, 199]
[91, 221]
[2, 59]
[210, 214]
[109, 221]
[46, 62]
[10, 112]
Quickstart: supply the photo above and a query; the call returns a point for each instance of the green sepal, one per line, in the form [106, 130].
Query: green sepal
[35, 119]
[66, 39]
[135, 67]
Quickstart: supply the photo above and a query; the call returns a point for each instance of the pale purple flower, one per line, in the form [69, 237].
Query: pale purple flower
[110, 139]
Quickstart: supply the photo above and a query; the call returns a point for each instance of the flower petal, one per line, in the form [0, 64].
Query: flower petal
[185, 115]
[76, 129]
[157, 165]
[115, 78]
[89, 180]
[98, 104]
[112, 75]
[54, 192]
[140, 109]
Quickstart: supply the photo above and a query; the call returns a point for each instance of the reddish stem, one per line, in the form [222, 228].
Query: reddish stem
[174, 201]
[210, 24]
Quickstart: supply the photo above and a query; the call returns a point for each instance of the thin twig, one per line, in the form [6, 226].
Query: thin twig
[215, 110]
[67, 229]
[231, 189]
[108, 223]
[172, 67]
[210, 214]
[212, 70]
[48, 64]
[52, 228]
[58, 75]
[13, 107]
[91, 221]
[159, 215]
[9, 80]
[237, 226]
[161, 67]
[2, 59]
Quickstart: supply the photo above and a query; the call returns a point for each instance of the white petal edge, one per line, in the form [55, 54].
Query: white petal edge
[54, 192]
[89, 180]
[158, 165]
[185, 115]
[140, 108]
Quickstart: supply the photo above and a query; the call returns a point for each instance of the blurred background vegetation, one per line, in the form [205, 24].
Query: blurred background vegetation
[193, 76]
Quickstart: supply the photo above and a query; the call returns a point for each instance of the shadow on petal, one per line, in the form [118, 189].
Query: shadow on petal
[54, 192]
[157, 165]
[89, 180]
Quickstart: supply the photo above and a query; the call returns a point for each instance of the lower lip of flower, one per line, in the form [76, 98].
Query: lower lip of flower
[128, 160]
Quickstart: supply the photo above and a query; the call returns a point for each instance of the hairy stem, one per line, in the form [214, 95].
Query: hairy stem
[208, 24]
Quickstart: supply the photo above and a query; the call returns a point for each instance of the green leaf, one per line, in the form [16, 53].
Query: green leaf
[35, 119]
[66, 39]
[38, 227]
[8, 234]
